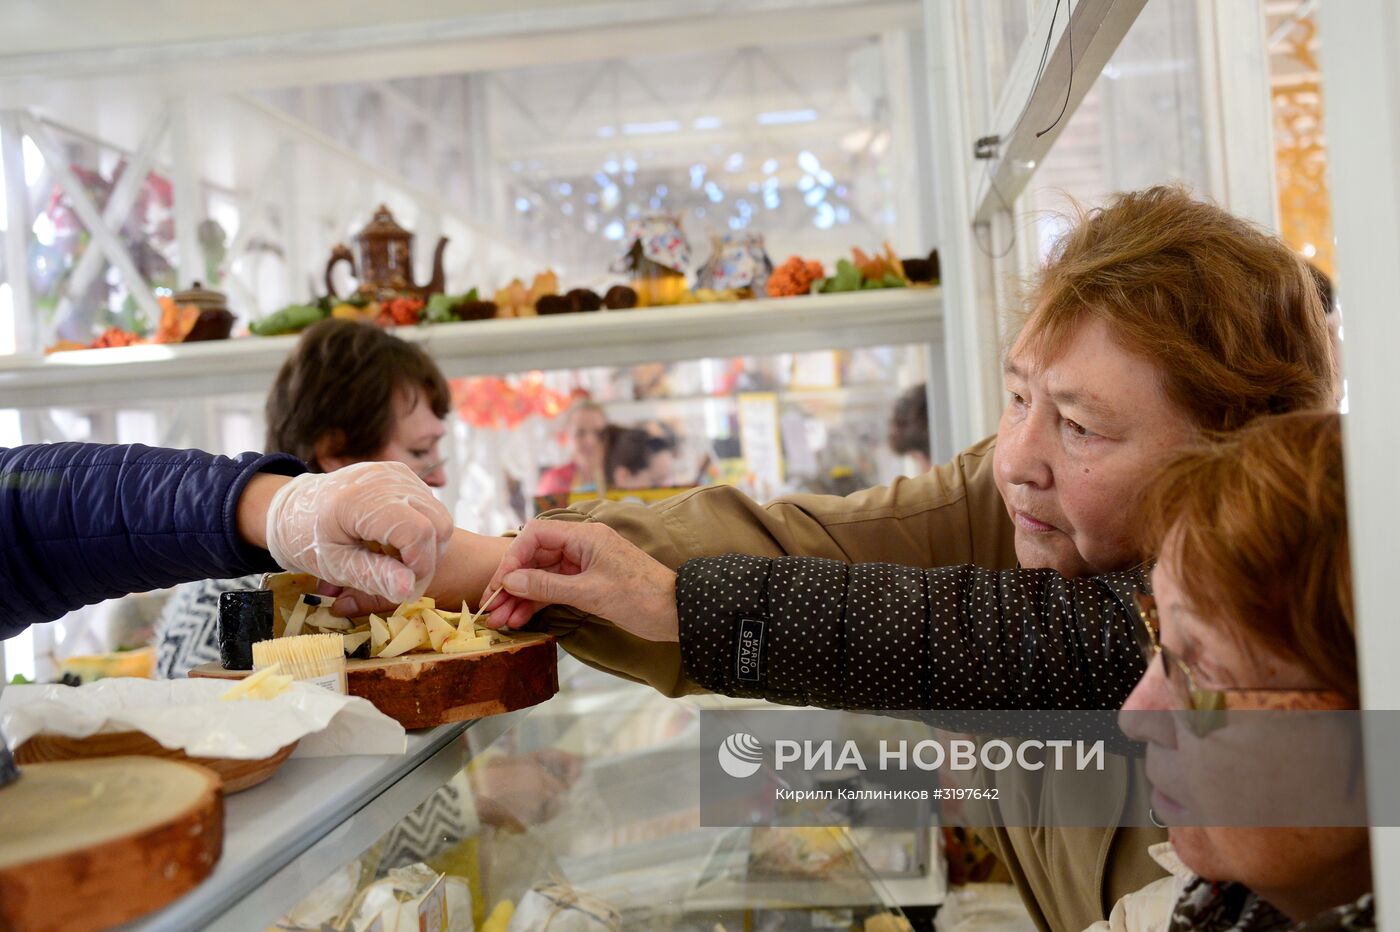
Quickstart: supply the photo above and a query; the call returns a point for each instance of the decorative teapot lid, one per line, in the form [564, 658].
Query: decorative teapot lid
[383, 226]
[203, 298]
[658, 238]
[738, 260]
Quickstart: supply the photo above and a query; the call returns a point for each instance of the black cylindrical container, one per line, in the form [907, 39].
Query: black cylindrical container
[9, 773]
[245, 616]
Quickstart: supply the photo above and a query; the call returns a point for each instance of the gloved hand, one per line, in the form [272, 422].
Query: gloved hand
[372, 526]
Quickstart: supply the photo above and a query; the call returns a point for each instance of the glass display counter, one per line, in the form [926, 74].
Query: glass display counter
[584, 808]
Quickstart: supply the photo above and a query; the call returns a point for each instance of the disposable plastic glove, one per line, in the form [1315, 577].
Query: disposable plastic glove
[372, 526]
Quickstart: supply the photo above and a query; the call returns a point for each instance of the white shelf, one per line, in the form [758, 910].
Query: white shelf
[567, 341]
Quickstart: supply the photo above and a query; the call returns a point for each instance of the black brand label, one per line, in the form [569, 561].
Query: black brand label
[750, 650]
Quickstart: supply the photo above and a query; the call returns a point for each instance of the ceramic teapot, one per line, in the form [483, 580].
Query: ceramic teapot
[383, 260]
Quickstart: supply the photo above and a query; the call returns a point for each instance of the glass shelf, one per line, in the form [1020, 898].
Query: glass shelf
[597, 791]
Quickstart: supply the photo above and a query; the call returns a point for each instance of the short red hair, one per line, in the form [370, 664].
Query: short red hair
[1260, 521]
[1228, 313]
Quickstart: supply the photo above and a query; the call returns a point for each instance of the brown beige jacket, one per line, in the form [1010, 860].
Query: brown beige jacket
[953, 514]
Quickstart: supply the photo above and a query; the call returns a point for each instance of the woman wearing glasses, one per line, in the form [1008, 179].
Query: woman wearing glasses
[348, 393]
[1252, 610]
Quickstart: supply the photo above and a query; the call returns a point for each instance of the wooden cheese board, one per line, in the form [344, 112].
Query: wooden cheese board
[421, 690]
[90, 844]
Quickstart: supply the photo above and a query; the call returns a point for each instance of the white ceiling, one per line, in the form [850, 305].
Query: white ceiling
[47, 26]
[268, 43]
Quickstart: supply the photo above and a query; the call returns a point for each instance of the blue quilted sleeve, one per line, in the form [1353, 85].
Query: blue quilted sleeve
[86, 522]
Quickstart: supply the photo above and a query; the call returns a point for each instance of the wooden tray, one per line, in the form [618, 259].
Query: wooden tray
[421, 690]
[91, 844]
[237, 775]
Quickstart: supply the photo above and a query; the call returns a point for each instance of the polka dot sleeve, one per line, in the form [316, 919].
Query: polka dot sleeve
[882, 637]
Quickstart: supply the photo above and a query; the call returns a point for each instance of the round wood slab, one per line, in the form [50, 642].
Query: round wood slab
[421, 690]
[237, 775]
[94, 843]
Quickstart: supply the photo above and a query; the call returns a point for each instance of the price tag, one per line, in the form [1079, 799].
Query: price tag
[432, 909]
[332, 681]
[759, 438]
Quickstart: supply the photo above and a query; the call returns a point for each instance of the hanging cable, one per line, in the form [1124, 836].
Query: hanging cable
[1069, 85]
[988, 172]
[1040, 69]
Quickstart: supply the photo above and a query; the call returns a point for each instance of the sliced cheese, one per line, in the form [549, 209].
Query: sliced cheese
[396, 624]
[262, 684]
[379, 635]
[438, 629]
[466, 622]
[410, 608]
[273, 686]
[461, 645]
[354, 640]
[295, 622]
[322, 618]
[482, 642]
[413, 634]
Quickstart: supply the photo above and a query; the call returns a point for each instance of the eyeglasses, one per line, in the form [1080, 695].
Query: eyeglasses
[1212, 703]
[431, 468]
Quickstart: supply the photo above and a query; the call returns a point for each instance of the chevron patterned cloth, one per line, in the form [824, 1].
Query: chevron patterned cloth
[441, 822]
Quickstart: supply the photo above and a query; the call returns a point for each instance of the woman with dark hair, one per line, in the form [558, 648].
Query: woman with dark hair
[351, 393]
[639, 459]
[909, 427]
[587, 430]
[348, 393]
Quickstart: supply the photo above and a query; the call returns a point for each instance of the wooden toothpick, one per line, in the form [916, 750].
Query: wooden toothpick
[485, 605]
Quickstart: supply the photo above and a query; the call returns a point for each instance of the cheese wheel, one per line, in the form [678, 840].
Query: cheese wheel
[93, 843]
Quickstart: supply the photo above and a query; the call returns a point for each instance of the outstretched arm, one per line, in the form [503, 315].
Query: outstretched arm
[809, 631]
[87, 522]
[466, 567]
[875, 636]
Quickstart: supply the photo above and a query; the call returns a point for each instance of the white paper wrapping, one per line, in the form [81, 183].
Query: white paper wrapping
[189, 716]
[555, 907]
[324, 905]
[396, 899]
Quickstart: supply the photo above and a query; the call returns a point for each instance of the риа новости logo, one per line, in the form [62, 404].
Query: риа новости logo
[741, 755]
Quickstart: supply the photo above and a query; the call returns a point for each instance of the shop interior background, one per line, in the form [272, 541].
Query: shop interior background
[819, 141]
[532, 138]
